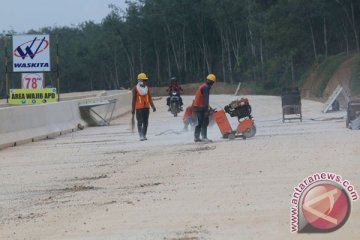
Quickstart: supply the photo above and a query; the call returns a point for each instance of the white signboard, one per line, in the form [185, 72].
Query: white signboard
[32, 81]
[31, 53]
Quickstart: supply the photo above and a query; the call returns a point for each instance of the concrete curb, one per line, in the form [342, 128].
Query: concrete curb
[24, 124]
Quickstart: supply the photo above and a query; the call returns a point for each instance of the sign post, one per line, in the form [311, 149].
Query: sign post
[31, 58]
[6, 70]
[57, 66]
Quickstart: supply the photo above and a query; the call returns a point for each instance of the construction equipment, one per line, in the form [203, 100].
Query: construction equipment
[291, 104]
[242, 110]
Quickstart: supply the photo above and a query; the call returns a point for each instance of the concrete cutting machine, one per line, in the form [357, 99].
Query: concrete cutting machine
[242, 110]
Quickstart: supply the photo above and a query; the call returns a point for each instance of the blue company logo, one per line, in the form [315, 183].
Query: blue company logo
[32, 48]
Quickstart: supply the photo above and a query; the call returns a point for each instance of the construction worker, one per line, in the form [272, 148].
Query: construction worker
[201, 108]
[141, 102]
[189, 117]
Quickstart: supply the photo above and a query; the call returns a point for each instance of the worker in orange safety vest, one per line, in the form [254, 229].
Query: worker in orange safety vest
[141, 103]
[201, 108]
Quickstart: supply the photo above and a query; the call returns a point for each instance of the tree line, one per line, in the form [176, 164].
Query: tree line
[265, 42]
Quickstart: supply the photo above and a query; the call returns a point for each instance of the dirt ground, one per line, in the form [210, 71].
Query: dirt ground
[341, 76]
[103, 183]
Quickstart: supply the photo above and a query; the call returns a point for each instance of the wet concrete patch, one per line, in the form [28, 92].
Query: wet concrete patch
[79, 188]
[102, 176]
[118, 152]
[190, 233]
[200, 149]
[149, 184]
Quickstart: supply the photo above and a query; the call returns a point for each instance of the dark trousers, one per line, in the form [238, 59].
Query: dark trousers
[142, 117]
[202, 124]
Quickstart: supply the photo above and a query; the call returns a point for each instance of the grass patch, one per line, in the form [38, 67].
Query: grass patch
[355, 76]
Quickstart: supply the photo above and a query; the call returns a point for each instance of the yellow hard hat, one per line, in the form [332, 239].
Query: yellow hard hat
[142, 76]
[211, 77]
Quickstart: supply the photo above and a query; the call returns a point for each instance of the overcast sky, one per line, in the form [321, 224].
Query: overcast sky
[24, 15]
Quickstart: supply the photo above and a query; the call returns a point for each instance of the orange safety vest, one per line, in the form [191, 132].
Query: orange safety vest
[142, 101]
[199, 100]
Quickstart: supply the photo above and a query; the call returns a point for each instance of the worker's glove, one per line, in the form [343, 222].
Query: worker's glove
[154, 109]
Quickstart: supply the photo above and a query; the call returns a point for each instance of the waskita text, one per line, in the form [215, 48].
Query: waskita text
[31, 65]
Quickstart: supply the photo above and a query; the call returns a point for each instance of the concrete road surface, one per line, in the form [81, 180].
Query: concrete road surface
[103, 183]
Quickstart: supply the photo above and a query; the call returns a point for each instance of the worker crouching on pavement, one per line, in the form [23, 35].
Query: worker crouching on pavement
[141, 102]
[201, 108]
[189, 117]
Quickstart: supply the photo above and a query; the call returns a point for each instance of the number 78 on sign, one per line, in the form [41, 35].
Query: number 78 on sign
[32, 81]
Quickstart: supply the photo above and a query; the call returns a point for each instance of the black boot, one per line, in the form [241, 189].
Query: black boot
[204, 135]
[197, 134]
[144, 132]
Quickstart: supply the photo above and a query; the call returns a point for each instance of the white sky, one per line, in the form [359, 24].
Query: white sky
[24, 15]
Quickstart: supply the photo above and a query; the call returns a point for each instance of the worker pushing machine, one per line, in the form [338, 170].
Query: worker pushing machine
[201, 108]
[141, 102]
